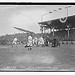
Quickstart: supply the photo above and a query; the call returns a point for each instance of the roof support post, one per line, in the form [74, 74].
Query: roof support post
[53, 32]
[68, 31]
[43, 32]
[43, 29]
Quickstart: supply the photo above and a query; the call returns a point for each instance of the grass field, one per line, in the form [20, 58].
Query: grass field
[38, 59]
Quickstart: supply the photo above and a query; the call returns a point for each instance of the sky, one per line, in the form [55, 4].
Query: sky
[28, 16]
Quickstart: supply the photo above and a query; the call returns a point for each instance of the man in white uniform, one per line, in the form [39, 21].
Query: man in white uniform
[14, 42]
[30, 40]
[41, 41]
[35, 41]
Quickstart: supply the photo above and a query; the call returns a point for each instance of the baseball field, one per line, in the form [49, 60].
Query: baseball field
[19, 58]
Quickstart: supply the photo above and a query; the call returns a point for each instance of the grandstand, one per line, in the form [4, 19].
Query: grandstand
[64, 31]
[62, 35]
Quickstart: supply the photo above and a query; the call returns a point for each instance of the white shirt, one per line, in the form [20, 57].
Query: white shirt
[15, 39]
[29, 38]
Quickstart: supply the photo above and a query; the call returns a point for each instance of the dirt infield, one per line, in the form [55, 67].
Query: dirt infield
[38, 59]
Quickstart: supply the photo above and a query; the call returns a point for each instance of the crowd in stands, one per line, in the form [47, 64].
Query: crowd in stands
[63, 35]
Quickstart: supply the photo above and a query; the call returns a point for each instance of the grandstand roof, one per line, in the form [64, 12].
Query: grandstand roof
[57, 24]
